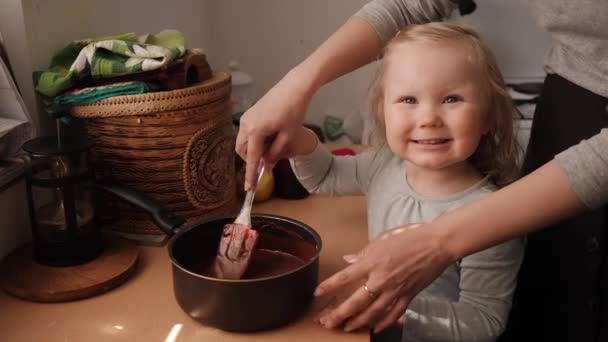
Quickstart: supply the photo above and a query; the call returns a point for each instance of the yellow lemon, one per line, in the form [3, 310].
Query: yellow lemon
[265, 187]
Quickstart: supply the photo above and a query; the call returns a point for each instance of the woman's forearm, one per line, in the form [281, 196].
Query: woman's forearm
[352, 46]
[533, 202]
[359, 41]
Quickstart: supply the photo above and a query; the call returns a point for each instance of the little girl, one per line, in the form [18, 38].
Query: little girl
[445, 138]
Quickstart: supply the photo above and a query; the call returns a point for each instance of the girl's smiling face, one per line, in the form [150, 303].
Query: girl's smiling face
[435, 109]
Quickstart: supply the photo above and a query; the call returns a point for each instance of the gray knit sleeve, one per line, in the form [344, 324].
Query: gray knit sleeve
[586, 166]
[321, 172]
[389, 16]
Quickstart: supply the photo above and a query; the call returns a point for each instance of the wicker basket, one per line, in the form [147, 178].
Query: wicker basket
[175, 146]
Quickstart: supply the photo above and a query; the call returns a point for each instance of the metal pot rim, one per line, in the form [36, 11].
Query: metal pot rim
[310, 230]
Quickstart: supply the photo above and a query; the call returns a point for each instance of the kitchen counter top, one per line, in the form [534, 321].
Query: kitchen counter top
[144, 308]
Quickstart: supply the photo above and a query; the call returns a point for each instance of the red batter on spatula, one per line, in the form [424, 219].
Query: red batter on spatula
[234, 254]
[238, 241]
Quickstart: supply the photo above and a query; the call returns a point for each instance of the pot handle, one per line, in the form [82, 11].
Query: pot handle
[162, 216]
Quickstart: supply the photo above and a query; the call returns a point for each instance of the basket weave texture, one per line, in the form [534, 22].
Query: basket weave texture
[175, 146]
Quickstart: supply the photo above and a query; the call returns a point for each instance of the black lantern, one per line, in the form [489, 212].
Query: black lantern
[59, 184]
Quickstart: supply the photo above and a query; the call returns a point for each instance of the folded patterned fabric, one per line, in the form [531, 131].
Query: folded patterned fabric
[107, 57]
[93, 94]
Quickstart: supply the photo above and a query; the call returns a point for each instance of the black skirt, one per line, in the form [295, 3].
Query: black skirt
[562, 291]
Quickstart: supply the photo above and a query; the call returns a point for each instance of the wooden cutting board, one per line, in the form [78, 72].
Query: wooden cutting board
[23, 277]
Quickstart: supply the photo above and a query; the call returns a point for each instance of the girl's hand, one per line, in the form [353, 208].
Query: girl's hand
[302, 142]
[272, 120]
[393, 268]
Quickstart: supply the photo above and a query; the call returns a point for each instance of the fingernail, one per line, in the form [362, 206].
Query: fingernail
[247, 185]
[348, 328]
[350, 258]
[318, 292]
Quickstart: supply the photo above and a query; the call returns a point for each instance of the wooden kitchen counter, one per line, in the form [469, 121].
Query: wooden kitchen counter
[144, 308]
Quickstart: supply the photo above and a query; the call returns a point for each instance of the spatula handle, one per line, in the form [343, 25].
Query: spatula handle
[244, 217]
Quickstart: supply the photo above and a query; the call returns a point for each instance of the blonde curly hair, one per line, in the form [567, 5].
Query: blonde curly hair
[497, 153]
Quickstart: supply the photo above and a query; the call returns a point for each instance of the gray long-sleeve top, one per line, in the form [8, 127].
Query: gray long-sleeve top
[470, 300]
[579, 53]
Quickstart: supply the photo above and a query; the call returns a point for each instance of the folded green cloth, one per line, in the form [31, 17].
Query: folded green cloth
[106, 57]
[93, 94]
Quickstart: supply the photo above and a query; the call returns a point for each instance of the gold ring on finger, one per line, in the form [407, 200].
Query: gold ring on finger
[373, 295]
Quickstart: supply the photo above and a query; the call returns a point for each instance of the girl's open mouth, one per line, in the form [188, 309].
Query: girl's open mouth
[431, 141]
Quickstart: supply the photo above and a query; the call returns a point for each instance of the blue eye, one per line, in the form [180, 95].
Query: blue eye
[452, 99]
[409, 100]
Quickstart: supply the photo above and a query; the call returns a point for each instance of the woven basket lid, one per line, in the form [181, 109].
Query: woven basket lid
[214, 89]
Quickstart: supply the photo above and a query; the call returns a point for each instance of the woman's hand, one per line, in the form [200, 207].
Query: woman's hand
[273, 120]
[393, 269]
[283, 108]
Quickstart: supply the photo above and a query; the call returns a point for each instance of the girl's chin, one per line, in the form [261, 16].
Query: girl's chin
[433, 163]
[438, 164]
[435, 166]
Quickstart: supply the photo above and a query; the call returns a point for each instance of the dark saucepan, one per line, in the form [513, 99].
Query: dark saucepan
[278, 285]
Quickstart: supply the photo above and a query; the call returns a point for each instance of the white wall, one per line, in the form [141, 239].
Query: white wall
[268, 37]
[510, 30]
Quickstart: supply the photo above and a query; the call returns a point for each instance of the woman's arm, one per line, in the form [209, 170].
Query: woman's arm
[575, 180]
[586, 166]
[389, 16]
[283, 108]
[542, 198]
[356, 43]
[399, 267]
